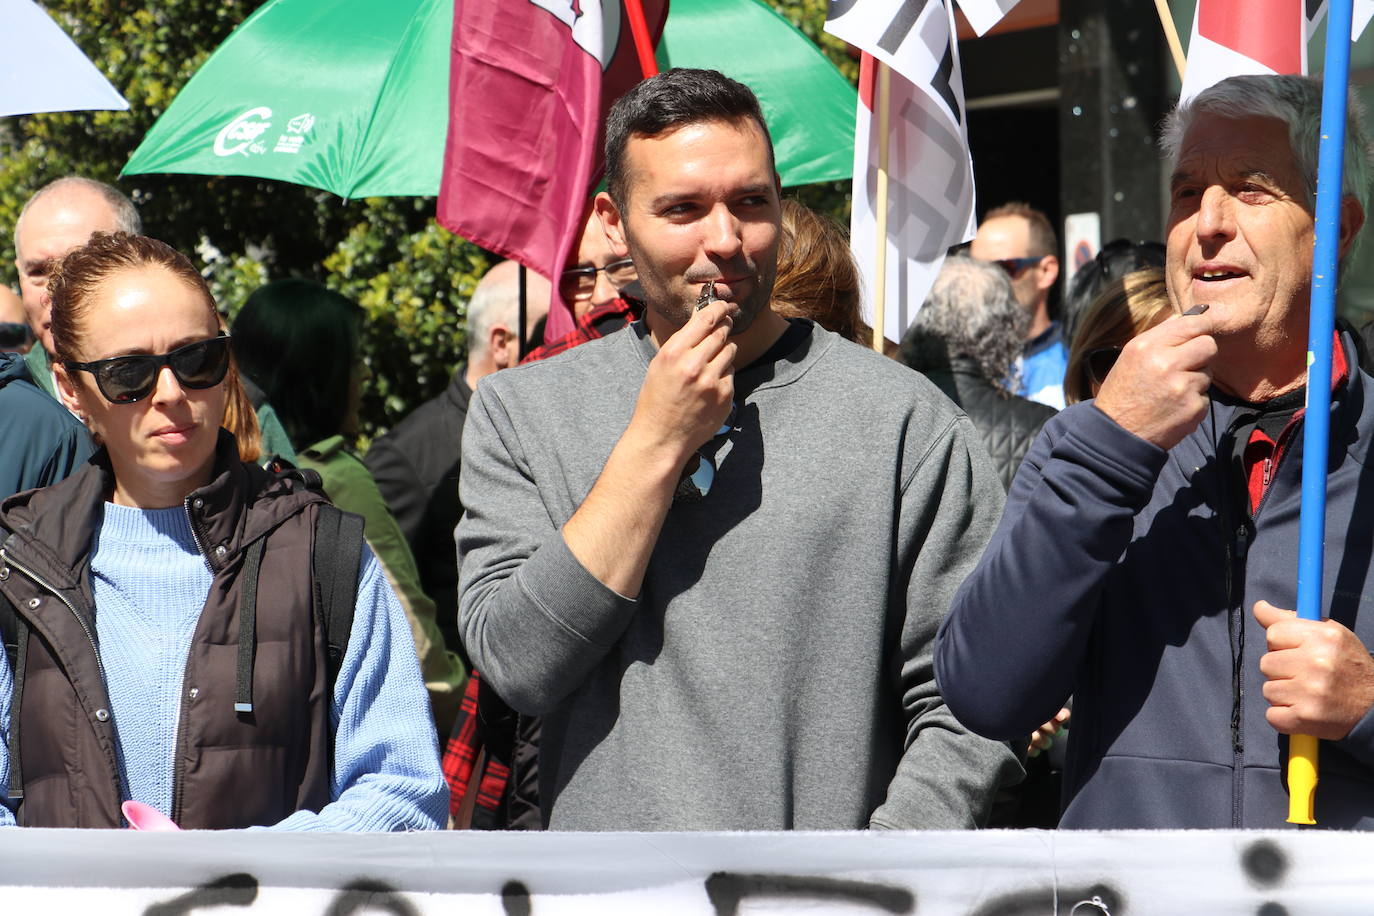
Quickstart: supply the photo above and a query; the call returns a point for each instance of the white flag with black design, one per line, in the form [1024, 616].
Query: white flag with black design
[930, 173]
[1361, 14]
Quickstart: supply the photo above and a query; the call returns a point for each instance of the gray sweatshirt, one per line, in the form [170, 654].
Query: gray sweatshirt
[775, 671]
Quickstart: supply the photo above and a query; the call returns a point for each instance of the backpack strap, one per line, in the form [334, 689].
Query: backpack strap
[15, 631]
[336, 561]
[248, 625]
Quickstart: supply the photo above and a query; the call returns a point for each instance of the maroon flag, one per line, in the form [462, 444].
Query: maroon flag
[529, 84]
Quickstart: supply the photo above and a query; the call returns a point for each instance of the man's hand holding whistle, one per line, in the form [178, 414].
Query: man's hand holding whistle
[686, 397]
[1158, 387]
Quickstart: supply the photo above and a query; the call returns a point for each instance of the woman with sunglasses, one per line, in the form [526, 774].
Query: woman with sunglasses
[167, 647]
[1124, 309]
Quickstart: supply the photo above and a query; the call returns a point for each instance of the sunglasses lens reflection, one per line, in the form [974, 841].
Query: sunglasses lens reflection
[127, 379]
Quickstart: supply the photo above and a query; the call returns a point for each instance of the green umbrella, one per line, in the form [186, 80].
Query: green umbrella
[352, 95]
[808, 105]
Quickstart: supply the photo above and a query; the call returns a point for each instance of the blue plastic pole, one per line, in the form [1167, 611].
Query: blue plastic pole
[1321, 325]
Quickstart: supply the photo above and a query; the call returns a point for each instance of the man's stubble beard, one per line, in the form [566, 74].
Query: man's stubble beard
[678, 312]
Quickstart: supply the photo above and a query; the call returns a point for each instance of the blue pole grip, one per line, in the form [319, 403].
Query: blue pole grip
[1322, 317]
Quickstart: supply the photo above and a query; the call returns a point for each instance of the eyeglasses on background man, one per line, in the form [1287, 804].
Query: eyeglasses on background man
[577, 284]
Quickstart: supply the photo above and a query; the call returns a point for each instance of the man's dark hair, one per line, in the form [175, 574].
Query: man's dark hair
[669, 100]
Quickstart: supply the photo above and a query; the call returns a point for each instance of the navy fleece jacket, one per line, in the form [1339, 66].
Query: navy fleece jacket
[1125, 575]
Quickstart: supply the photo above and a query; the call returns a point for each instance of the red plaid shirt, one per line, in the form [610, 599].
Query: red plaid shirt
[599, 322]
[460, 759]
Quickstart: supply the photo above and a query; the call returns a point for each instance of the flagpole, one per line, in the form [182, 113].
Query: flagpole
[1166, 20]
[884, 87]
[1303, 749]
[521, 310]
[644, 45]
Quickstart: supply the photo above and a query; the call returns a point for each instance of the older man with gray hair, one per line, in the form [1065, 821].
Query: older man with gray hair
[1147, 555]
[416, 464]
[966, 339]
[60, 216]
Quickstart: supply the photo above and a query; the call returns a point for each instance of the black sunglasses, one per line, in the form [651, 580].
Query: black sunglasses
[580, 282]
[1015, 267]
[1142, 254]
[700, 472]
[126, 379]
[1100, 363]
[13, 335]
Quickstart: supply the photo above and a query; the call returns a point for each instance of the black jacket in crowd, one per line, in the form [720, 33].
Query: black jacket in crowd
[416, 467]
[1007, 423]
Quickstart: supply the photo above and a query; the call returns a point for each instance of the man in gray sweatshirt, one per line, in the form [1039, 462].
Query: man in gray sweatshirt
[712, 550]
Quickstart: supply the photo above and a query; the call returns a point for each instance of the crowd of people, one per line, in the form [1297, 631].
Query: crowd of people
[709, 561]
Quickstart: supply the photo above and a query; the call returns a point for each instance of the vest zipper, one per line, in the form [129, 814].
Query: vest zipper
[71, 607]
[90, 637]
[178, 759]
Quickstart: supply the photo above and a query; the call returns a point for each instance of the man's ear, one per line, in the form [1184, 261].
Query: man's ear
[1352, 219]
[1047, 272]
[612, 224]
[502, 346]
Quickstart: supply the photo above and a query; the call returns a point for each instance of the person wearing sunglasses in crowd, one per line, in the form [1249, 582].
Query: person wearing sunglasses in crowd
[15, 335]
[1019, 239]
[40, 442]
[1125, 308]
[167, 647]
[1112, 262]
[712, 549]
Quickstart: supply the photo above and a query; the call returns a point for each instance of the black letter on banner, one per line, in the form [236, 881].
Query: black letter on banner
[726, 891]
[838, 8]
[1088, 901]
[515, 898]
[364, 894]
[231, 890]
[901, 25]
[941, 83]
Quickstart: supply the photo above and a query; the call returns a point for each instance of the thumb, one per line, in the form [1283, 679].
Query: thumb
[1268, 615]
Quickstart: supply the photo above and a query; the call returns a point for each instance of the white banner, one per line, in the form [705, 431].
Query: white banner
[1072, 873]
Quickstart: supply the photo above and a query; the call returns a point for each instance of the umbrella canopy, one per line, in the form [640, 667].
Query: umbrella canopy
[352, 95]
[42, 69]
[808, 104]
[345, 95]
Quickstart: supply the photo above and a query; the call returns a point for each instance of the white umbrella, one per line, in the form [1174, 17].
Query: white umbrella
[41, 69]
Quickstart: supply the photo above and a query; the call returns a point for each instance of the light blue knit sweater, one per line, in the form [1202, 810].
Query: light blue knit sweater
[150, 583]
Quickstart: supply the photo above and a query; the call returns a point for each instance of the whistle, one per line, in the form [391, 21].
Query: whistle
[708, 295]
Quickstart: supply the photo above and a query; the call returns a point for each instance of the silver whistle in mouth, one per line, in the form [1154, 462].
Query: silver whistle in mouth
[708, 295]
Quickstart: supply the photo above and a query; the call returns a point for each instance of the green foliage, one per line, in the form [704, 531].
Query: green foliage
[412, 277]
